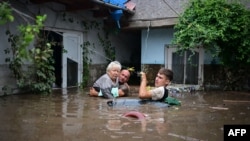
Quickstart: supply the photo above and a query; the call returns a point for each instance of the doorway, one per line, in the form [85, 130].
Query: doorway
[56, 38]
[67, 56]
[72, 60]
[72, 75]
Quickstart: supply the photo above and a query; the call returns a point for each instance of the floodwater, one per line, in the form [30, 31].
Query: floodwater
[71, 115]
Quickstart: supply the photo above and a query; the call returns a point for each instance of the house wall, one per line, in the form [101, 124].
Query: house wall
[153, 58]
[127, 47]
[153, 44]
[161, 14]
[153, 51]
[61, 22]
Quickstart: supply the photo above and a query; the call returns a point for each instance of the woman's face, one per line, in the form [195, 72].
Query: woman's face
[114, 73]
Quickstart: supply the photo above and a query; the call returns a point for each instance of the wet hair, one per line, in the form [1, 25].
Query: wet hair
[167, 72]
[114, 64]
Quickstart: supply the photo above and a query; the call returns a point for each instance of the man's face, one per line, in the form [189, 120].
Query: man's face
[124, 76]
[161, 80]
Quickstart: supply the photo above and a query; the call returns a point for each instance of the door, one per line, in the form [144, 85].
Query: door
[72, 61]
[187, 70]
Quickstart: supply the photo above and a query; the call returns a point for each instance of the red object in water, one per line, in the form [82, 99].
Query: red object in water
[134, 114]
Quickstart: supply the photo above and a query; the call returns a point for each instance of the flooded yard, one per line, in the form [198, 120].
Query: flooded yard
[71, 115]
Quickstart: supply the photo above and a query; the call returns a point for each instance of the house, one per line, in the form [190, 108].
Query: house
[156, 21]
[140, 33]
[70, 24]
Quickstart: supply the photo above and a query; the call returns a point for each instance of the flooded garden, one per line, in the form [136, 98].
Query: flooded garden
[71, 115]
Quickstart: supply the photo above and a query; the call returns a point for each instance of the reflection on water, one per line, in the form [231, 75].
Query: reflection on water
[73, 115]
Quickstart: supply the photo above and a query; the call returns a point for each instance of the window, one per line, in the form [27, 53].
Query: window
[187, 70]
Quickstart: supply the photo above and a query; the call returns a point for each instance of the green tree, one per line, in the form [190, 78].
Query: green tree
[221, 27]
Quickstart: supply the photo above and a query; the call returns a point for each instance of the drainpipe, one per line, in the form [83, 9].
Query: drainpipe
[112, 6]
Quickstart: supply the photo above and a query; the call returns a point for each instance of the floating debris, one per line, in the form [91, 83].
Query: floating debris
[219, 108]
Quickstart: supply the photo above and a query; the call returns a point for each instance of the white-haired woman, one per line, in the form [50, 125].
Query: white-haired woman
[107, 85]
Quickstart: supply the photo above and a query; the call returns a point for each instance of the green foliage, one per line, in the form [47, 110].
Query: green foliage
[86, 62]
[42, 68]
[107, 46]
[87, 50]
[15, 63]
[27, 35]
[86, 46]
[38, 77]
[219, 26]
[5, 13]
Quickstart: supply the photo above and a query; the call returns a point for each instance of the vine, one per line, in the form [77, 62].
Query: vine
[220, 27]
[90, 25]
[42, 68]
[86, 61]
[39, 76]
[105, 43]
[108, 48]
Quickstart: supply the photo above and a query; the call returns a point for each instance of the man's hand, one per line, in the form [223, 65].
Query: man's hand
[92, 92]
[143, 76]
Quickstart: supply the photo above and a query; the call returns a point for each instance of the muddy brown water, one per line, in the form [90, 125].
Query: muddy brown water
[71, 115]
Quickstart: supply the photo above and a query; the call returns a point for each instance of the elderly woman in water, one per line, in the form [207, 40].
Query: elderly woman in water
[113, 83]
[108, 82]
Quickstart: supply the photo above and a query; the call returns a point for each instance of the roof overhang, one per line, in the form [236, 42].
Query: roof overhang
[100, 8]
[83, 5]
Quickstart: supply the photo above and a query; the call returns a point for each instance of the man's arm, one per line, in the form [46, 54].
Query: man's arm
[93, 92]
[106, 93]
[143, 92]
[123, 90]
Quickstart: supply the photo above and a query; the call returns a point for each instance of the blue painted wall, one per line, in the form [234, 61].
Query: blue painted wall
[153, 43]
